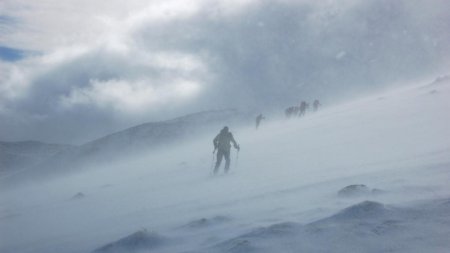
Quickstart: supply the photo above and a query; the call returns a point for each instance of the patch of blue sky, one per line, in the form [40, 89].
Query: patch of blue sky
[7, 52]
[12, 54]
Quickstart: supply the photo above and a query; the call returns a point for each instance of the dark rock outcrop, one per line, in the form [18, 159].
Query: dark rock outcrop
[136, 242]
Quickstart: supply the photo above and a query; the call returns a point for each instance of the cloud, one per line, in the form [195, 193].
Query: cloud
[103, 76]
[129, 98]
[151, 60]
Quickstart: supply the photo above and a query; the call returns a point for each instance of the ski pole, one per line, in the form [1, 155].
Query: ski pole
[212, 162]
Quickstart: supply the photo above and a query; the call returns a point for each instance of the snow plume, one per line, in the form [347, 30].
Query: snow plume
[103, 66]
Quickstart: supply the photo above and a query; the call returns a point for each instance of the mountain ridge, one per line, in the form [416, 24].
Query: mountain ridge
[140, 138]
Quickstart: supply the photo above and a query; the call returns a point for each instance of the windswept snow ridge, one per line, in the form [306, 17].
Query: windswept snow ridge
[139, 241]
[365, 227]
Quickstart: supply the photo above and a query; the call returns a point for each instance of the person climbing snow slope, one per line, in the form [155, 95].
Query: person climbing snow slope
[222, 143]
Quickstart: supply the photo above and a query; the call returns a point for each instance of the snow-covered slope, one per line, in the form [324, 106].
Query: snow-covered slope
[284, 192]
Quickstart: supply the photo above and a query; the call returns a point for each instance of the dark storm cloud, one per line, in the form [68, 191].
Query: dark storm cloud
[277, 51]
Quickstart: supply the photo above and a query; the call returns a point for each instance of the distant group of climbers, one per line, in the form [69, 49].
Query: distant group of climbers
[300, 110]
[222, 142]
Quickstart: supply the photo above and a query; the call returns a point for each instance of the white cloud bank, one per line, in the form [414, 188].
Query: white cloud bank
[122, 96]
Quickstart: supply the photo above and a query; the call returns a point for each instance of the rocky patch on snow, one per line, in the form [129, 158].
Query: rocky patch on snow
[237, 245]
[140, 241]
[276, 230]
[78, 196]
[441, 80]
[363, 211]
[206, 222]
[358, 190]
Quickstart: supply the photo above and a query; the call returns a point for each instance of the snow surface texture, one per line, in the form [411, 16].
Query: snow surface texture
[283, 196]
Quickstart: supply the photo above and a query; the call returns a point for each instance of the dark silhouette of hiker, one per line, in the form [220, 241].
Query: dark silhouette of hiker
[258, 120]
[222, 143]
[303, 107]
[291, 111]
[316, 105]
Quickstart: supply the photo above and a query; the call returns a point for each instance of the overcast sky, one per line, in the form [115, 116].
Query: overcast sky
[73, 70]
